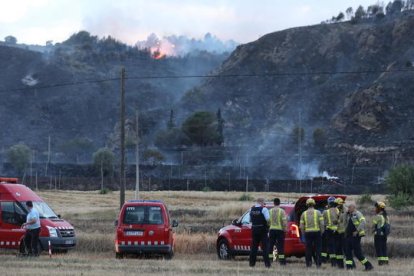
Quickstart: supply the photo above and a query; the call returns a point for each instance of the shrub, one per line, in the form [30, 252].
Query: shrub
[365, 199]
[19, 157]
[401, 180]
[400, 200]
[104, 191]
[206, 189]
[245, 197]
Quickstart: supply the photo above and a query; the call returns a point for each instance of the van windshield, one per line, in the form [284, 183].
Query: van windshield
[143, 215]
[44, 210]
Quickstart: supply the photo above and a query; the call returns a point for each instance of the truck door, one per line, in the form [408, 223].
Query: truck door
[12, 218]
[243, 234]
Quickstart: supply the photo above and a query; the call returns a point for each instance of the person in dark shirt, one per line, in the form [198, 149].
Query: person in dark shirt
[354, 231]
[259, 217]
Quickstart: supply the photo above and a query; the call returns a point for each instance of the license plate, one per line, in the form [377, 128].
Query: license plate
[69, 242]
[134, 233]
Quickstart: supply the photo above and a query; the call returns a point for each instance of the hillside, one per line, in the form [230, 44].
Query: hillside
[34, 104]
[330, 77]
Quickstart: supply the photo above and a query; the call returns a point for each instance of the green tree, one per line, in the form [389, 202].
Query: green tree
[349, 12]
[103, 160]
[319, 138]
[19, 157]
[77, 147]
[340, 17]
[201, 128]
[172, 138]
[401, 180]
[359, 13]
[153, 156]
[298, 134]
[10, 40]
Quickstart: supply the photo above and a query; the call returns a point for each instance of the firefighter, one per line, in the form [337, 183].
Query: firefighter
[340, 239]
[381, 231]
[278, 223]
[331, 218]
[259, 217]
[354, 231]
[312, 227]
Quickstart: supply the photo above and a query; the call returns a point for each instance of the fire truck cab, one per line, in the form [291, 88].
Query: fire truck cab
[13, 212]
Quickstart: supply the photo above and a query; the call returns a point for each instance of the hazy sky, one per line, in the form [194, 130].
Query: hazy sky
[36, 21]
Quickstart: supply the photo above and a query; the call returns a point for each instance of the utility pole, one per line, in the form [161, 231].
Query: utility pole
[48, 156]
[300, 151]
[137, 161]
[122, 144]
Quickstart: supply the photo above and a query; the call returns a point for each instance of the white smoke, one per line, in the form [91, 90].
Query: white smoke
[29, 80]
[311, 170]
[183, 45]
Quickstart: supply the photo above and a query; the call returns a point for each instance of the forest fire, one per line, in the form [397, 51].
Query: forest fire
[162, 49]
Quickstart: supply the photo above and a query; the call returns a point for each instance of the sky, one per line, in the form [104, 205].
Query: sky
[37, 21]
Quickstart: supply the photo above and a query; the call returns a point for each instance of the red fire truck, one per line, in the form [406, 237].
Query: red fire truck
[13, 213]
[235, 239]
[144, 227]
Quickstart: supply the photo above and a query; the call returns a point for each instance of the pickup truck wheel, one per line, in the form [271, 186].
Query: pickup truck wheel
[223, 250]
[169, 255]
[119, 255]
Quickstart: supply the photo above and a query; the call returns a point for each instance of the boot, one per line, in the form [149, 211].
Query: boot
[340, 264]
[368, 266]
[380, 262]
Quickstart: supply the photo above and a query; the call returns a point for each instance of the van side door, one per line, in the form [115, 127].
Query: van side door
[12, 218]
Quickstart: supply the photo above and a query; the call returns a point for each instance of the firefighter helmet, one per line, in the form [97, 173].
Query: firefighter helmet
[331, 200]
[339, 201]
[310, 202]
[380, 205]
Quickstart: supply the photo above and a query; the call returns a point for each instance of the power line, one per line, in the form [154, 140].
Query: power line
[217, 76]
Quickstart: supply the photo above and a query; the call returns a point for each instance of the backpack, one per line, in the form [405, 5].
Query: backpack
[386, 229]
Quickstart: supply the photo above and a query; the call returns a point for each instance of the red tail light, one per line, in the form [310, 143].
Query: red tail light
[294, 230]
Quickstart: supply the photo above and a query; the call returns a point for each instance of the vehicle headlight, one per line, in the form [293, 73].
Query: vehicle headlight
[52, 232]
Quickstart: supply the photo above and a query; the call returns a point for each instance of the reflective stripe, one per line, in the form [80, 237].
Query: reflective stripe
[364, 261]
[347, 262]
[339, 257]
[281, 256]
[276, 219]
[332, 256]
[315, 221]
[324, 254]
[383, 259]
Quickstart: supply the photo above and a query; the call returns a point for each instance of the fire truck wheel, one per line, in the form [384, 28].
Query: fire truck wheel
[223, 250]
[119, 255]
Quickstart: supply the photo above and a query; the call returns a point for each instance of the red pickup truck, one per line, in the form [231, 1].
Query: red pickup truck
[235, 239]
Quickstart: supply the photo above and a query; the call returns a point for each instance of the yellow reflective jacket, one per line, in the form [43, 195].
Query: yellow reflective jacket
[278, 220]
[331, 218]
[311, 221]
[378, 223]
[358, 220]
[342, 220]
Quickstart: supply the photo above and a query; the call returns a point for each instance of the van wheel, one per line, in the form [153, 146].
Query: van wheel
[119, 255]
[23, 249]
[169, 255]
[223, 250]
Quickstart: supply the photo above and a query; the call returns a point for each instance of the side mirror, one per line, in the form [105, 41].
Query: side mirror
[116, 223]
[235, 222]
[59, 216]
[174, 223]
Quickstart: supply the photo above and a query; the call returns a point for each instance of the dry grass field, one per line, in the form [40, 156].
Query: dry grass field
[200, 215]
